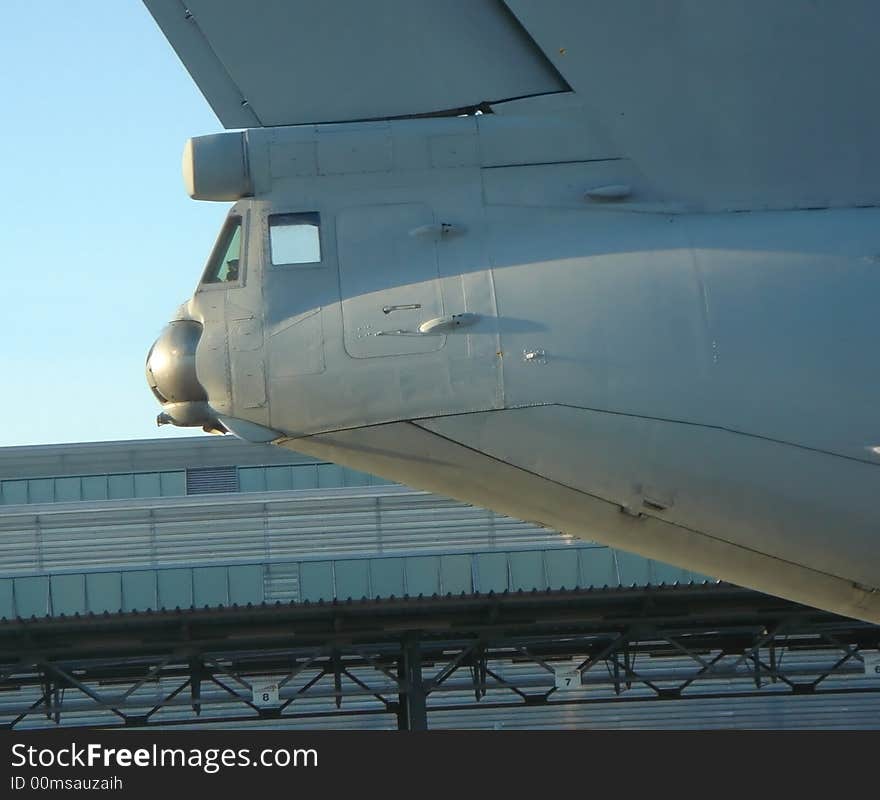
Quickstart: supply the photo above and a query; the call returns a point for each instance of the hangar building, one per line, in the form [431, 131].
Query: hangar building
[208, 581]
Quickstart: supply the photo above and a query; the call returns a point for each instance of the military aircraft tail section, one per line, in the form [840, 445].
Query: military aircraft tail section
[554, 308]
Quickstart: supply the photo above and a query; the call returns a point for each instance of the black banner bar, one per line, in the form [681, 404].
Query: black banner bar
[264, 763]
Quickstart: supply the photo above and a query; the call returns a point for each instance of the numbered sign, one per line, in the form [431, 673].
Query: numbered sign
[872, 663]
[567, 679]
[265, 693]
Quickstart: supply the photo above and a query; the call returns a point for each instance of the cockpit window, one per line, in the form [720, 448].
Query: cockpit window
[225, 262]
[295, 238]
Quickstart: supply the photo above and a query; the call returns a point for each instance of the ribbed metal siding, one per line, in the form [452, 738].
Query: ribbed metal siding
[272, 526]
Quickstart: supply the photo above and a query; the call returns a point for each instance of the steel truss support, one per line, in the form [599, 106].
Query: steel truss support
[407, 657]
[412, 712]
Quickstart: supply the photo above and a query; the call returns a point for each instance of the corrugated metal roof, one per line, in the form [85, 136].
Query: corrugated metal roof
[267, 526]
[143, 455]
[474, 574]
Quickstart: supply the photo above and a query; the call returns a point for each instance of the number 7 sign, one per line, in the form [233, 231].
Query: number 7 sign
[567, 679]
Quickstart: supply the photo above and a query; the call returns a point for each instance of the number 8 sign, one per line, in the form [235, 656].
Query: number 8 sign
[265, 693]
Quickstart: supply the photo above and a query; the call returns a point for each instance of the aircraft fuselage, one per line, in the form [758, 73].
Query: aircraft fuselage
[547, 336]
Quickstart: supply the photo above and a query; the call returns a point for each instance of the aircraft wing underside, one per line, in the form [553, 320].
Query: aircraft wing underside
[720, 105]
[276, 62]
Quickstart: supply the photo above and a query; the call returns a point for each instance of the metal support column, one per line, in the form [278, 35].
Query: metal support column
[412, 711]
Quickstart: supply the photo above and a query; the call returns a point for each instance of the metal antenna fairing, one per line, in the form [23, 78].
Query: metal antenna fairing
[171, 375]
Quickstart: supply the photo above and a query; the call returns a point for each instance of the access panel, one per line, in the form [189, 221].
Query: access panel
[389, 279]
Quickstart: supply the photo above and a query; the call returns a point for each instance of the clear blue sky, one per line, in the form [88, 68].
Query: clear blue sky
[102, 244]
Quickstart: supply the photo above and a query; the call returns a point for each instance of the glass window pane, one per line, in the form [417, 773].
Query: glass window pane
[120, 487]
[597, 567]
[305, 476]
[40, 490]
[210, 587]
[104, 591]
[246, 584]
[456, 574]
[175, 588]
[68, 594]
[146, 484]
[352, 477]
[14, 492]
[278, 479]
[252, 479]
[330, 476]
[352, 578]
[316, 581]
[295, 238]
[172, 484]
[562, 568]
[138, 590]
[386, 576]
[223, 266]
[527, 571]
[7, 607]
[67, 489]
[32, 596]
[423, 575]
[492, 573]
[94, 487]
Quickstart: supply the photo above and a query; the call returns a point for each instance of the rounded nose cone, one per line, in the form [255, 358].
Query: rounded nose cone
[171, 364]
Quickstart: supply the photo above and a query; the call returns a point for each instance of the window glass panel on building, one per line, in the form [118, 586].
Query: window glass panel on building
[71, 489]
[278, 479]
[120, 487]
[147, 485]
[303, 476]
[178, 483]
[41, 490]
[68, 490]
[94, 487]
[14, 492]
[172, 484]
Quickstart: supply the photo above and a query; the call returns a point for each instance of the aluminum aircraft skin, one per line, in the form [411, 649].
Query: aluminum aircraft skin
[635, 299]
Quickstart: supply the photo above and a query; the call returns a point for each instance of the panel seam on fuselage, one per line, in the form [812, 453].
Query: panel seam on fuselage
[650, 418]
[703, 425]
[614, 504]
[552, 163]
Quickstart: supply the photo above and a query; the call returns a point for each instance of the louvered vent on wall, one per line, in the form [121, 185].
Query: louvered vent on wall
[210, 480]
